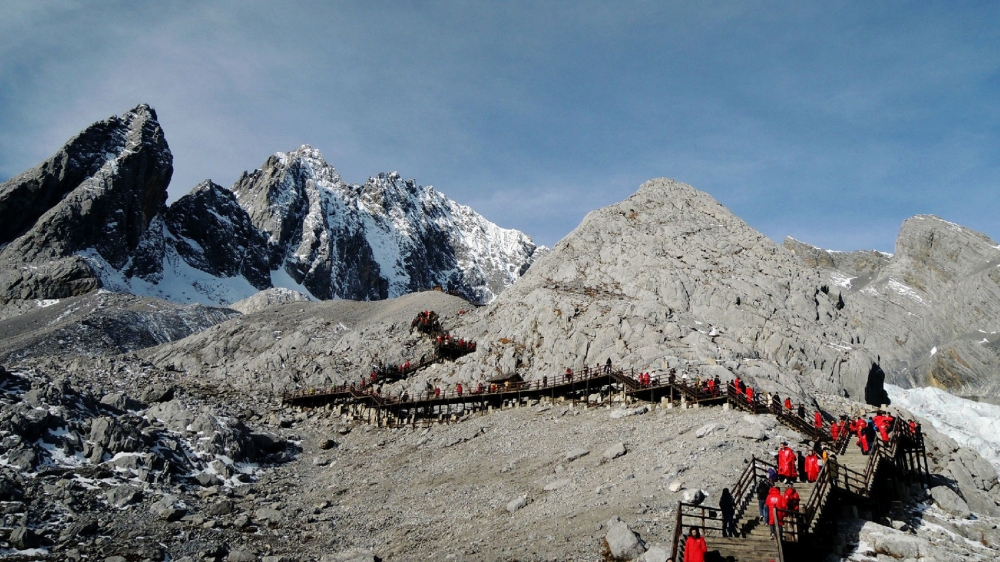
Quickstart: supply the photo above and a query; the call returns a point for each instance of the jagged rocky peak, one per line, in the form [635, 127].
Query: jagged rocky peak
[381, 239]
[97, 195]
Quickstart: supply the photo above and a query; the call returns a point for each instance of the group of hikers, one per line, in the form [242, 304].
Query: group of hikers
[427, 322]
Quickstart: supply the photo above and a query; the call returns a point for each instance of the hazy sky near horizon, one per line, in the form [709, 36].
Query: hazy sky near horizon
[828, 121]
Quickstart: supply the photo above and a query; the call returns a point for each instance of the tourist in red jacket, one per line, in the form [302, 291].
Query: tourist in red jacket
[774, 502]
[786, 463]
[818, 420]
[695, 547]
[812, 467]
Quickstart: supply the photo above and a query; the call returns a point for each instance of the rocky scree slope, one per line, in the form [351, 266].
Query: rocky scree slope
[94, 215]
[931, 310]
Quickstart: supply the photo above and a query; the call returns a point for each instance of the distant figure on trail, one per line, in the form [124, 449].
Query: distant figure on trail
[545, 381]
[802, 411]
[727, 505]
[607, 367]
[788, 403]
[818, 420]
[569, 374]
[800, 464]
[695, 547]
[458, 389]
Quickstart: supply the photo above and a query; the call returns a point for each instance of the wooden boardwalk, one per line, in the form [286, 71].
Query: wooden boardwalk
[437, 405]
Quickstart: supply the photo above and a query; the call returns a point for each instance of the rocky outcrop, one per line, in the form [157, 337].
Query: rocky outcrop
[98, 194]
[931, 310]
[268, 298]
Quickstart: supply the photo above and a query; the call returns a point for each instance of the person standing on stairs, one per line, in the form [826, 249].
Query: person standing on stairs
[792, 500]
[812, 467]
[695, 547]
[786, 463]
[775, 501]
[727, 505]
[763, 487]
[800, 465]
[607, 367]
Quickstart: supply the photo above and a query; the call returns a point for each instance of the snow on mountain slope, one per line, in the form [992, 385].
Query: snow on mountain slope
[972, 424]
[376, 240]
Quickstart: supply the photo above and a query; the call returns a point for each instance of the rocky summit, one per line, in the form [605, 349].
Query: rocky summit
[140, 428]
[94, 215]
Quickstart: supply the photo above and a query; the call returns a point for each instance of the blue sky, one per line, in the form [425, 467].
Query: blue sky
[828, 121]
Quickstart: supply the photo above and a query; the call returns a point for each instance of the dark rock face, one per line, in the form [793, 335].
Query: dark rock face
[214, 234]
[100, 192]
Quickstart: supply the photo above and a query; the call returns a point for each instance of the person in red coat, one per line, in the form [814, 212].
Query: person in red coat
[792, 499]
[750, 394]
[812, 467]
[695, 547]
[774, 502]
[818, 417]
[786, 463]
[788, 403]
[835, 431]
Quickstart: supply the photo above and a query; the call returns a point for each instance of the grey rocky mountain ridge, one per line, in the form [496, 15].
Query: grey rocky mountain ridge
[931, 310]
[115, 440]
[94, 215]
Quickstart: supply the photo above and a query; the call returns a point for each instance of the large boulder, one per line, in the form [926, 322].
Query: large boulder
[623, 543]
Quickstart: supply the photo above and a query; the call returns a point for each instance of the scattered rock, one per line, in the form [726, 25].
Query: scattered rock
[241, 556]
[556, 484]
[574, 454]
[614, 451]
[656, 554]
[517, 503]
[949, 501]
[694, 497]
[676, 486]
[705, 430]
[622, 542]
